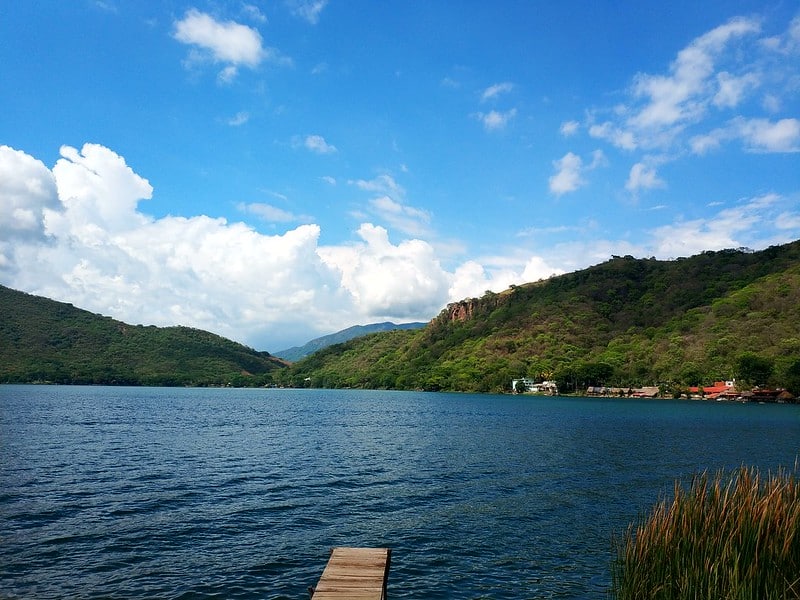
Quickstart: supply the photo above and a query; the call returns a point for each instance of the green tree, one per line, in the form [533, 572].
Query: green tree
[754, 370]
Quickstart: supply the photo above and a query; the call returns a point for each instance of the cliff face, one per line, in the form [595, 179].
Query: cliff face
[468, 309]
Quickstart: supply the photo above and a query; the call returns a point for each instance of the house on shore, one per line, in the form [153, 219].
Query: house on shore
[526, 385]
[721, 390]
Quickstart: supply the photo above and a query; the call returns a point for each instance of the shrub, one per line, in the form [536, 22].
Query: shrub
[732, 536]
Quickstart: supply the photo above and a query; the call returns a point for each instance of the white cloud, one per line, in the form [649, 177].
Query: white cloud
[569, 128]
[618, 137]
[404, 218]
[239, 118]
[757, 135]
[680, 97]
[317, 143]
[495, 90]
[733, 89]
[721, 231]
[254, 13]
[27, 190]
[537, 268]
[382, 184]
[270, 213]
[762, 135]
[643, 177]
[495, 120]
[94, 248]
[788, 220]
[226, 42]
[568, 174]
[308, 10]
[404, 280]
[787, 43]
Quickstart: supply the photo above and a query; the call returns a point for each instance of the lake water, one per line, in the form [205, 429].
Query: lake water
[230, 493]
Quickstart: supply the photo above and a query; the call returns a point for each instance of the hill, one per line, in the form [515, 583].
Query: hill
[43, 340]
[691, 321]
[297, 352]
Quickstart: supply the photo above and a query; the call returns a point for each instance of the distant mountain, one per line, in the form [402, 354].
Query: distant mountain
[298, 352]
[44, 341]
[626, 322]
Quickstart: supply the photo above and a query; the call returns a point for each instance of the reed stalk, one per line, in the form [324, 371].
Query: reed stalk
[731, 536]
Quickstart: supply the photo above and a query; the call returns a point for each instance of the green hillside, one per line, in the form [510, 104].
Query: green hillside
[46, 341]
[626, 322]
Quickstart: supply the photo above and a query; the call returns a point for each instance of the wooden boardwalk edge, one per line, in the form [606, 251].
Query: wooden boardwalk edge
[354, 574]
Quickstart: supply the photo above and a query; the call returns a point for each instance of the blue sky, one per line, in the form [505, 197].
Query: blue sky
[275, 171]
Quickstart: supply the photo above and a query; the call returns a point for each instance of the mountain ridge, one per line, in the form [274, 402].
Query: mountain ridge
[43, 340]
[626, 321]
[297, 352]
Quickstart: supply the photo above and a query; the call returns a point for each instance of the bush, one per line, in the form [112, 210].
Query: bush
[734, 536]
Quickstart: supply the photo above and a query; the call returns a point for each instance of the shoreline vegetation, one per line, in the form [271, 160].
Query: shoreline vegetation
[727, 536]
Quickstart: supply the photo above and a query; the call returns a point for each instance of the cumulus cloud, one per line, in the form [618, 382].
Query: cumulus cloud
[621, 138]
[568, 174]
[643, 177]
[762, 135]
[693, 104]
[495, 120]
[27, 190]
[76, 233]
[227, 42]
[385, 278]
[569, 128]
[757, 135]
[570, 169]
[317, 143]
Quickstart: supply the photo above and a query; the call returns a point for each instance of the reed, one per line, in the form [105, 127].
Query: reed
[731, 536]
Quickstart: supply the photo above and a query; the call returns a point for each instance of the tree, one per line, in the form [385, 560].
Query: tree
[792, 378]
[754, 370]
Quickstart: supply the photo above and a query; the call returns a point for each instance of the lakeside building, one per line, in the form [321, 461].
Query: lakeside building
[527, 385]
[720, 389]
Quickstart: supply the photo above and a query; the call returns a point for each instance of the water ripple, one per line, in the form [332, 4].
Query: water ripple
[186, 494]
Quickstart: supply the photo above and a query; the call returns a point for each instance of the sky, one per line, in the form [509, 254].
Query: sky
[274, 171]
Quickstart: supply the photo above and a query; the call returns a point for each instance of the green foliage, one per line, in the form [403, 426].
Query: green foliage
[46, 341]
[730, 537]
[754, 370]
[626, 322]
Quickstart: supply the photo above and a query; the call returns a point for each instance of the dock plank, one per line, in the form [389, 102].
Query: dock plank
[355, 574]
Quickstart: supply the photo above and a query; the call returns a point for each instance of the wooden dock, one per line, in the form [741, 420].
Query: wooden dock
[355, 574]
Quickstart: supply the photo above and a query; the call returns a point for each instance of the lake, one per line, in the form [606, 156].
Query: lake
[241, 493]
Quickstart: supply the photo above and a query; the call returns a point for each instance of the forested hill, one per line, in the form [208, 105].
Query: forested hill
[46, 341]
[691, 321]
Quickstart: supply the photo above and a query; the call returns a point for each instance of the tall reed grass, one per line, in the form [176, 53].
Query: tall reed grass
[732, 536]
